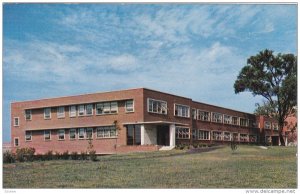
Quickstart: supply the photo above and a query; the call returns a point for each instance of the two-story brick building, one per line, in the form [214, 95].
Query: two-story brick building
[130, 120]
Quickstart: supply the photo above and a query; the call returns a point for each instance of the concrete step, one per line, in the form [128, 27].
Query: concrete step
[166, 148]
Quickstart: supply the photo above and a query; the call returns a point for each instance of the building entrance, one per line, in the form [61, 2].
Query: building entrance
[163, 135]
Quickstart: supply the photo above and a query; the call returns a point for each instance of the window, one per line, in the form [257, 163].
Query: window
[227, 136]
[227, 119]
[217, 135]
[194, 133]
[81, 110]
[133, 134]
[194, 114]
[267, 125]
[252, 138]
[60, 112]
[47, 135]
[47, 113]
[157, 106]
[107, 131]
[81, 133]
[129, 106]
[216, 117]
[244, 137]
[61, 134]
[244, 122]
[72, 134]
[182, 111]
[203, 135]
[89, 109]
[182, 133]
[275, 126]
[16, 121]
[106, 108]
[28, 135]
[16, 141]
[89, 133]
[72, 111]
[235, 120]
[203, 115]
[235, 137]
[28, 114]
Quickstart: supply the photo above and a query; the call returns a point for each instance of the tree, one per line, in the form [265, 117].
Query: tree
[274, 78]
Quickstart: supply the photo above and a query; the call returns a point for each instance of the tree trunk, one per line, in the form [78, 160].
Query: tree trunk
[281, 139]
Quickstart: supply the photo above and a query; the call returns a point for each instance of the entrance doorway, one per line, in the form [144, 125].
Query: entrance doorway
[275, 140]
[163, 135]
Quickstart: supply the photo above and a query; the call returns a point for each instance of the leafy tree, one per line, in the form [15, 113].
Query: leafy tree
[275, 78]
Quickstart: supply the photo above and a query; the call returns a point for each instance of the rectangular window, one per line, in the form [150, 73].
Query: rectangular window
[61, 134]
[16, 141]
[129, 107]
[203, 115]
[182, 133]
[227, 119]
[61, 112]
[235, 120]
[194, 133]
[28, 135]
[81, 110]
[89, 109]
[89, 133]
[47, 113]
[16, 121]
[133, 134]
[157, 106]
[217, 135]
[275, 126]
[194, 114]
[244, 137]
[106, 132]
[182, 111]
[72, 134]
[107, 108]
[72, 111]
[267, 125]
[244, 122]
[28, 114]
[227, 136]
[216, 117]
[81, 133]
[47, 135]
[252, 138]
[203, 135]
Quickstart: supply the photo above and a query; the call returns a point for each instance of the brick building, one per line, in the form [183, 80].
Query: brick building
[131, 120]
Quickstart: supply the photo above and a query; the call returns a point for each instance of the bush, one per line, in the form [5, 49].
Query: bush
[9, 157]
[49, 155]
[83, 155]
[93, 155]
[74, 156]
[57, 156]
[25, 154]
[65, 155]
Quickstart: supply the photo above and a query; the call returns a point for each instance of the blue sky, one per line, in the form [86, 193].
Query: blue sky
[193, 50]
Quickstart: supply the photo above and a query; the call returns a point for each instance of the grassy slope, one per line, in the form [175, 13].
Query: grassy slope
[249, 167]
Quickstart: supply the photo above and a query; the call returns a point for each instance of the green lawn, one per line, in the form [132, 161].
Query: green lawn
[249, 167]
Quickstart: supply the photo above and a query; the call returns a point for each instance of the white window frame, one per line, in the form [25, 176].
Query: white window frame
[60, 114]
[255, 138]
[30, 132]
[16, 125]
[228, 120]
[194, 114]
[30, 115]
[45, 135]
[107, 108]
[86, 132]
[180, 110]
[230, 136]
[275, 126]
[114, 109]
[83, 133]
[72, 113]
[163, 109]
[73, 129]
[45, 113]
[179, 128]
[58, 134]
[237, 120]
[201, 116]
[220, 133]
[203, 131]
[106, 132]
[81, 111]
[216, 119]
[126, 106]
[244, 119]
[86, 109]
[265, 125]
[245, 135]
[16, 138]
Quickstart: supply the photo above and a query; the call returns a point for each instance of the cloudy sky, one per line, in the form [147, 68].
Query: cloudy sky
[193, 50]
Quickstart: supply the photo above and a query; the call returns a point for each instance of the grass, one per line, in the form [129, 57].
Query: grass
[249, 167]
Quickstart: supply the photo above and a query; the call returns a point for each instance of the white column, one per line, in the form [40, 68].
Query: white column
[142, 134]
[172, 134]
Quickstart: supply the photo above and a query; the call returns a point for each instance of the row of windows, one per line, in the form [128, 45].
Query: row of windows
[82, 110]
[80, 133]
[269, 125]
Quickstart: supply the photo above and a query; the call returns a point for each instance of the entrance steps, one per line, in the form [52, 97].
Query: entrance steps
[166, 148]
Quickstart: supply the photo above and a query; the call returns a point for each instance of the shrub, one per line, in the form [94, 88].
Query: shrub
[93, 155]
[29, 153]
[233, 146]
[9, 157]
[25, 154]
[83, 155]
[74, 156]
[49, 155]
[57, 155]
[65, 155]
